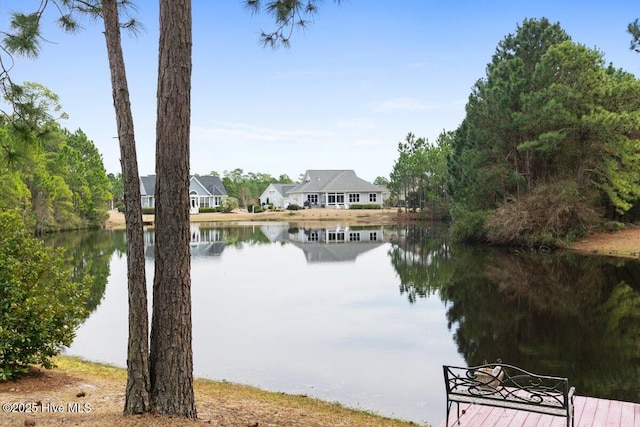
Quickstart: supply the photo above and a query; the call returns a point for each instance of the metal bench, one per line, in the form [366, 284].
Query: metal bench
[508, 386]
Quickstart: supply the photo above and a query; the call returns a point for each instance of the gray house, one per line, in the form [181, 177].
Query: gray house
[204, 191]
[336, 189]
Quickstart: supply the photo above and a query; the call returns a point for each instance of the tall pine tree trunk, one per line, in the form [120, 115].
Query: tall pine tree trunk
[138, 382]
[171, 357]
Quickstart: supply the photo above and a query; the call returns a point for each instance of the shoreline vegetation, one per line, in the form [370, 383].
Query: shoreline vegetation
[622, 243]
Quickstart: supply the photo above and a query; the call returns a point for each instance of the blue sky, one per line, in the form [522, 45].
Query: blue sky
[347, 91]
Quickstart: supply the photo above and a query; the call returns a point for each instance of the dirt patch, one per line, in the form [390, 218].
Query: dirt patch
[623, 243]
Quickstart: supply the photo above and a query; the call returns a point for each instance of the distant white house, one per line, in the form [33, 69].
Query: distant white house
[338, 189]
[204, 192]
[276, 195]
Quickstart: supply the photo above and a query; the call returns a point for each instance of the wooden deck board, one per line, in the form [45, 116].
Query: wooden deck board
[589, 412]
[517, 421]
[600, 418]
[614, 417]
[628, 413]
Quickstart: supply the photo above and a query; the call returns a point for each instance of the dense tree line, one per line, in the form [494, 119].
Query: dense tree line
[53, 178]
[418, 176]
[549, 146]
[550, 143]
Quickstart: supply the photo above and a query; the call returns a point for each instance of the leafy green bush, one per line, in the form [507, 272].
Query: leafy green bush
[40, 305]
[229, 204]
[293, 207]
[468, 226]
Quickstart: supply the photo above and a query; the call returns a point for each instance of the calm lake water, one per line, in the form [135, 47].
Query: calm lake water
[367, 316]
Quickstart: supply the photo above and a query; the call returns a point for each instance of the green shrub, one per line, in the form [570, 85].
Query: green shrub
[370, 206]
[229, 204]
[148, 211]
[258, 209]
[468, 226]
[40, 305]
[208, 210]
[293, 207]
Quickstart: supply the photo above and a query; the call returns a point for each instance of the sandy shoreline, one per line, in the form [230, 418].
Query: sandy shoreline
[623, 243]
[356, 216]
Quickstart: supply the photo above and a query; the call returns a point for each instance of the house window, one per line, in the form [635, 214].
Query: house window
[354, 237]
[354, 198]
[334, 236]
[373, 198]
[312, 199]
[336, 198]
[313, 236]
[205, 202]
[373, 236]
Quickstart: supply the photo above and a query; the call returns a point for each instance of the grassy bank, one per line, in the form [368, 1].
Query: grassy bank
[91, 395]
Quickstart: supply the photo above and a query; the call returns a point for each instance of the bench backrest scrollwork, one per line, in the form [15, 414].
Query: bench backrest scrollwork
[508, 386]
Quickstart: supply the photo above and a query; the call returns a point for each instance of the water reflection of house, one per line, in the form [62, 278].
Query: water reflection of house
[337, 235]
[346, 252]
[333, 244]
[338, 244]
[275, 231]
[205, 242]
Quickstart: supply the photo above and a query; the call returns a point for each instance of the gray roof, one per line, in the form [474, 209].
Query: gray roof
[319, 181]
[148, 185]
[284, 188]
[213, 185]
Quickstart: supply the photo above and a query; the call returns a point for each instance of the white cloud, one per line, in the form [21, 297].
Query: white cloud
[240, 132]
[364, 142]
[359, 124]
[413, 104]
[422, 65]
[400, 104]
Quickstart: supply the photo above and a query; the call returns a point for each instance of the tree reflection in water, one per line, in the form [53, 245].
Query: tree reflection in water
[89, 253]
[555, 313]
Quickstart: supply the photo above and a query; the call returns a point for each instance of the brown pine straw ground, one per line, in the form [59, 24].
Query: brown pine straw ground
[623, 243]
[99, 389]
